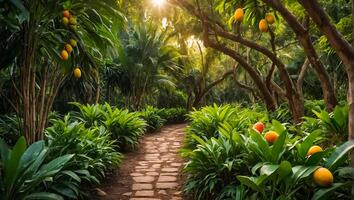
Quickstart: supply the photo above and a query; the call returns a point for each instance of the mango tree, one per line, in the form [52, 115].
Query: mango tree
[53, 39]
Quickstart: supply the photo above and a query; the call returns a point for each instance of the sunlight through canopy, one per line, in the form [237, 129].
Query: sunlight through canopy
[158, 3]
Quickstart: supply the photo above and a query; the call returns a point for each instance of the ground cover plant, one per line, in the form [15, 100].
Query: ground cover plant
[264, 161]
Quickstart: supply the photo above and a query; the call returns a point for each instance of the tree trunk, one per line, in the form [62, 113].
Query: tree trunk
[344, 50]
[27, 83]
[267, 97]
[305, 41]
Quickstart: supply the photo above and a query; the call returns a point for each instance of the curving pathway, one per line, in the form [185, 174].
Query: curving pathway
[153, 172]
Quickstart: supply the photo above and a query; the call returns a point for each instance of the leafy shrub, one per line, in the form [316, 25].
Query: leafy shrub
[205, 122]
[173, 115]
[90, 115]
[335, 122]
[213, 166]
[152, 117]
[282, 114]
[93, 148]
[124, 126]
[313, 105]
[285, 172]
[29, 173]
[171, 98]
[238, 163]
[10, 128]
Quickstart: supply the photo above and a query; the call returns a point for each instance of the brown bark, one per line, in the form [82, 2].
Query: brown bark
[244, 86]
[305, 41]
[300, 80]
[345, 52]
[267, 97]
[293, 97]
[201, 94]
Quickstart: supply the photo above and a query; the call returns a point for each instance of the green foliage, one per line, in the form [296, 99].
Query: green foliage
[205, 122]
[124, 126]
[29, 173]
[282, 114]
[93, 147]
[90, 115]
[214, 164]
[10, 128]
[173, 115]
[255, 169]
[153, 119]
[171, 98]
[335, 122]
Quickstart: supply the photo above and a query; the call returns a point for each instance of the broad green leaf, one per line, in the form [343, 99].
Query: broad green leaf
[308, 142]
[300, 172]
[285, 169]
[269, 169]
[11, 167]
[338, 154]
[198, 139]
[315, 159]
[55, 165]
[250, 182]
[323, 194]
[261, 143]
[278, 147]
[43, 196]
[31, 154]
[278, 127]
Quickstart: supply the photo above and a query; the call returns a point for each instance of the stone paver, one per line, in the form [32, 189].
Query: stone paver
[156, 171]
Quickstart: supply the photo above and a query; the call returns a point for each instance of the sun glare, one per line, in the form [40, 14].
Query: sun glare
[158, 3]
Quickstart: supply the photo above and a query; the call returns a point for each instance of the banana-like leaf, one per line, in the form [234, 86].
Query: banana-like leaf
[338, 154]
[324, 193]
[43, 196]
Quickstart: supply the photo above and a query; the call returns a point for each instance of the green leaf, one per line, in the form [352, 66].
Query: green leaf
[31, 154]
[308, 142]
[198, 139]
[11, 167]
[43, 196]
[315, 159]
[261, 143]
[300, 172]
[55, 165]
[257, 166]
[324, 193]
[72, 175]
[278, 127]
[278, 147]
[250, 182]
[338, 154]
[269, 169]
[285, 169]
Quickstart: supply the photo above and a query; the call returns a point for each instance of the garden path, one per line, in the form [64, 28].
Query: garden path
[153, 171]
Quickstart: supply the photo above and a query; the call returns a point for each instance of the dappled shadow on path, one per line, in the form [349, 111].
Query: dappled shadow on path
[153, 172]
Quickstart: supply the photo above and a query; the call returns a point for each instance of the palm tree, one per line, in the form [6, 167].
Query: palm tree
[144, 65]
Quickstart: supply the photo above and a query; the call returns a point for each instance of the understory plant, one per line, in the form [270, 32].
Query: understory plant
[244, 163]
[153, 119]
[10, 128]
[95, 152]
[30, 173]
[173, 115]
[205, 123]
[124, 126]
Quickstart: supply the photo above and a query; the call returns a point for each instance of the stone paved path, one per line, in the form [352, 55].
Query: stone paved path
[152, 173]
